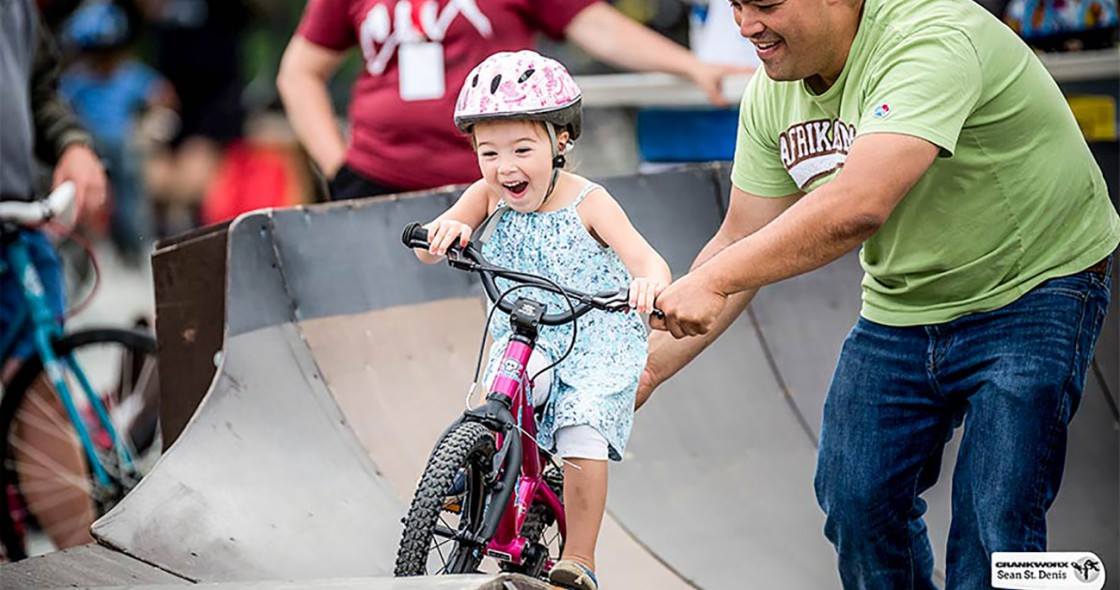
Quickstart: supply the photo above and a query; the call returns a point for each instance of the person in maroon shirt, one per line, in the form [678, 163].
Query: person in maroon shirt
[416, 54]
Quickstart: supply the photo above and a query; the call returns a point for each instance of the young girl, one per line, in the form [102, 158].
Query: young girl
[522, 111]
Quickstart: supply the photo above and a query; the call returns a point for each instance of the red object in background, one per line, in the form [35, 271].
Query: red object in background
[250, 177]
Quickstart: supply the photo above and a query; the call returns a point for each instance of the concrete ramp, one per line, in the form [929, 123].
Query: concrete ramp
[344, 358]
[269, 483]
[89, 566]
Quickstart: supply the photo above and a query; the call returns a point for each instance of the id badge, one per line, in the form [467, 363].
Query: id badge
[421, 71]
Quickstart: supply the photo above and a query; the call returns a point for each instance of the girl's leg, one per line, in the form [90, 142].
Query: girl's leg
[585, 499]
[585, 489]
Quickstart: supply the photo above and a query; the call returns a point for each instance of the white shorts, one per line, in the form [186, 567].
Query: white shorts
[581, 442]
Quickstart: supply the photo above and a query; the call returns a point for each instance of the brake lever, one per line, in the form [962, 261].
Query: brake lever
[620, 301]
[456, 259]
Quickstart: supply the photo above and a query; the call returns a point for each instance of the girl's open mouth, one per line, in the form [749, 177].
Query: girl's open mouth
[517, 189]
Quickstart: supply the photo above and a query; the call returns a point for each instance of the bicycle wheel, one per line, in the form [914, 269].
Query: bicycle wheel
[47, 483]
[437, 516]
[545, 544]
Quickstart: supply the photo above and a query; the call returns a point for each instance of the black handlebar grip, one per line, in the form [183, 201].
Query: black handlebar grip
[415, 235]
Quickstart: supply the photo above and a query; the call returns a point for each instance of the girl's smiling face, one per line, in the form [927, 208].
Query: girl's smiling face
[516, 160]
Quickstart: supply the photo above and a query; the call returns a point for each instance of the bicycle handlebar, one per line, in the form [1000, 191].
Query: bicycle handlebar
[469, 258]
[32, 213]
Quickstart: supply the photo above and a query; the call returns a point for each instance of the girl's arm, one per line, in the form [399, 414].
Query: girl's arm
[457, 223]
[606, 219]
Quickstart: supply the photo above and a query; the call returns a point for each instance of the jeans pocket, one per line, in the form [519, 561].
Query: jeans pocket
[1103, 277]
[1082, 285]
[1062, 286]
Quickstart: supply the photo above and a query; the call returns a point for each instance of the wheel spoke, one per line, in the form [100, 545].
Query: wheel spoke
[66, 526]
[146, 372]
[442, 559]
[42, 505]
[445, 543]
[38, 463]
[44, 463]
[45, 420]
[46, 482]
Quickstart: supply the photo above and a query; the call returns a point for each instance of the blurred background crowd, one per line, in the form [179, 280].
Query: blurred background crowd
[182, 100]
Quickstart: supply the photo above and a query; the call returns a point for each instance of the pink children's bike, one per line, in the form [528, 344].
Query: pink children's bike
[488, 490]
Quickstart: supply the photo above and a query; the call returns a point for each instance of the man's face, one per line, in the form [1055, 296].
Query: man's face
[792, 36]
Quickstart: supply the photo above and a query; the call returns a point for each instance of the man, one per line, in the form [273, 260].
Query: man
[416, 54]
[34, 120]
[926, 132]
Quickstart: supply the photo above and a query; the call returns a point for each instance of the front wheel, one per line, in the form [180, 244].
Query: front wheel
[449, 505]
[47, 481]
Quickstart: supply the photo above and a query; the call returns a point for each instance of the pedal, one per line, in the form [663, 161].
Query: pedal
[453, 504]
[453, 501]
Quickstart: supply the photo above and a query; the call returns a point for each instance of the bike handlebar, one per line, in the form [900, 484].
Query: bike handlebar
[469, 258]
[32, 213]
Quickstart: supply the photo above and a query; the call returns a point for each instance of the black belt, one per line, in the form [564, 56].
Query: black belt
[1100, 268]
[9, 197]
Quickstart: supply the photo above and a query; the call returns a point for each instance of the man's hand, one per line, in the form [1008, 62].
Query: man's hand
[691, 306]
[81, 165]
[612, 37]
[709, 78]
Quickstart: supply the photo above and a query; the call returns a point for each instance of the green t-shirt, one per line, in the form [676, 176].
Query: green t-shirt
[1015, 197]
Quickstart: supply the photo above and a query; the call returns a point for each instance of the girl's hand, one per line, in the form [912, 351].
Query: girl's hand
[444, 233]
[642, 293]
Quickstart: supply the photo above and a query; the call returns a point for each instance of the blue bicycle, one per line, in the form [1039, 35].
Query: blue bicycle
[100, 386]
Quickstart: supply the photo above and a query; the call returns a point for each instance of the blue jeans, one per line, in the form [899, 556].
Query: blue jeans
[1013, 376]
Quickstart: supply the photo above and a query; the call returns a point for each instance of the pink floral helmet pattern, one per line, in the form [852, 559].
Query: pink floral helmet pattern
[520, 85]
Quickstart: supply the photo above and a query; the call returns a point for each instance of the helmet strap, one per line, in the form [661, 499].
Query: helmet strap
[558, 161]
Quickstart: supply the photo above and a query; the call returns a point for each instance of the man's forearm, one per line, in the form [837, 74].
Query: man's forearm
[309, 109]
[810, 234]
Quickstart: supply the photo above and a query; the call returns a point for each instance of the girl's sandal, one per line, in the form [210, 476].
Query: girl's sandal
[573, 575]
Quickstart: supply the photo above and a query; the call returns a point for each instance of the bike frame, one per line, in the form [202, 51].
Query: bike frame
[46, 329]
[512, 382]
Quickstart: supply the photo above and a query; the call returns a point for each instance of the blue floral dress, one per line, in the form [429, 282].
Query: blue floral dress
[596, 384]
